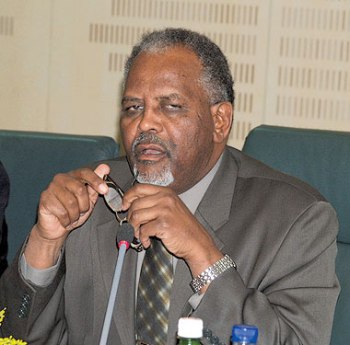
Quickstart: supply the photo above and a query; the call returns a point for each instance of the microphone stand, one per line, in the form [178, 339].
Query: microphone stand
[126, 236]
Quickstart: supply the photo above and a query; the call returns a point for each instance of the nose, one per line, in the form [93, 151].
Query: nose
[150, 120]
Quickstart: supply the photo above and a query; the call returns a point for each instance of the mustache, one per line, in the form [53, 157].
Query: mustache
[149, 138]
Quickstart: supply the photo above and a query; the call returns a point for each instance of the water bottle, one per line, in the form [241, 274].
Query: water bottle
[244, 335]
[190, 331]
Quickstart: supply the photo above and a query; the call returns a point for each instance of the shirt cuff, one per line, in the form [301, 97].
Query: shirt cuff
[39, 277]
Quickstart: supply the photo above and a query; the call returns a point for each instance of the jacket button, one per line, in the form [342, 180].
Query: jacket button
[22, 313]
[23, 309]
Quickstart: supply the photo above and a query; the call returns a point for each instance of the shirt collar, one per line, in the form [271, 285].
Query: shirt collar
[192, 197]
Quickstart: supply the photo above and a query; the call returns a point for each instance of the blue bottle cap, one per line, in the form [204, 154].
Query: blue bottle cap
[244, 333]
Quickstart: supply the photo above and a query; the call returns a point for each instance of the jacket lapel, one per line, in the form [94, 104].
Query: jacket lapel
[215, 207]
[212, 212]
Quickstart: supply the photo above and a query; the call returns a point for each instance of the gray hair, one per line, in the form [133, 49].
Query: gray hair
[216, 76]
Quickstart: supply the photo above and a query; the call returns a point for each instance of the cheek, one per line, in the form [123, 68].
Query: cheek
[182, 134]
[127, 133]
[188, 137]
[197, 140]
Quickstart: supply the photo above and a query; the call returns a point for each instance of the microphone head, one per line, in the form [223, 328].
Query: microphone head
[125, 234]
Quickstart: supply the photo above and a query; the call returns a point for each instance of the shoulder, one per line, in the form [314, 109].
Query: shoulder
[256, 174]
[278, 201]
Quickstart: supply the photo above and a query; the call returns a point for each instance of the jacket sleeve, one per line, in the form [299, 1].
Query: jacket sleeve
[33, 314]
[293, 300]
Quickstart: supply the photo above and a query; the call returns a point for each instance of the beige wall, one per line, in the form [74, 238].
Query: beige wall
[61, 61]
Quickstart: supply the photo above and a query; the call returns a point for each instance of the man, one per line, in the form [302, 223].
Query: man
[269, 239]
[4, 195]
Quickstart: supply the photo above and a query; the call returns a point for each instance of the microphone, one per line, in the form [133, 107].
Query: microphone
[124, 238]
[125, 235]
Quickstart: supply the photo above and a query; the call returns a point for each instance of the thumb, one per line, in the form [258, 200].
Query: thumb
[102, 170]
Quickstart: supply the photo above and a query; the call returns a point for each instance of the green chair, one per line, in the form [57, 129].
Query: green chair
[321, 158]
[31, 159]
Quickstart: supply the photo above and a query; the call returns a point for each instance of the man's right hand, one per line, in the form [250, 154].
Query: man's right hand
[65, 205]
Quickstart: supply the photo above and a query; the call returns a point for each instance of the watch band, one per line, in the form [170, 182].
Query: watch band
[212, 272]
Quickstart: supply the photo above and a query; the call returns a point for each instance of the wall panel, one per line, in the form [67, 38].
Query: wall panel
[24, 71]
[61, 61]
[309, 65]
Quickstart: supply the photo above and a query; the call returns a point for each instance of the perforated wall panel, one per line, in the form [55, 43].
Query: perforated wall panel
[61, 62]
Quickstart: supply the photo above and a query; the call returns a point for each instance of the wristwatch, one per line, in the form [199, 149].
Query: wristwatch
[212, 272]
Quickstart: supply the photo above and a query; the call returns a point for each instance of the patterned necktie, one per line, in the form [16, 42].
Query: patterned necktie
[153, 295]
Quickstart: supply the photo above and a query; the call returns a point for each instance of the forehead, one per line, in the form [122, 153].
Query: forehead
[173, 67]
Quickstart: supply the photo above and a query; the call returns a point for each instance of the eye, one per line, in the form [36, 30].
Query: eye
[132, 109]
[172, 107]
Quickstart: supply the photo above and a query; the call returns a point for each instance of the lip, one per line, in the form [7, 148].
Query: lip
[149, 152]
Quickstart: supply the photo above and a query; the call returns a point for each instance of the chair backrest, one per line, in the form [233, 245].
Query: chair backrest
[321, 158]
[31, 159]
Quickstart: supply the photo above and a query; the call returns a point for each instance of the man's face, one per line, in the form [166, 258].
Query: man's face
[166, 121]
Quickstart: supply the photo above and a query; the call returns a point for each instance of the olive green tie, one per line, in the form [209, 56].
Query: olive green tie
[153, 295]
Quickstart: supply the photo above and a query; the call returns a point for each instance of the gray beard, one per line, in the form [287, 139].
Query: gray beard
[163, 178]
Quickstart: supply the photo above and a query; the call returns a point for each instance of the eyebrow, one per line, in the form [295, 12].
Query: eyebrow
[169, 97]
[130, 99]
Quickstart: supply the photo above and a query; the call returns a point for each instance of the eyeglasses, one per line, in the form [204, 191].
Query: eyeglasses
[114, 196]
[114, 200]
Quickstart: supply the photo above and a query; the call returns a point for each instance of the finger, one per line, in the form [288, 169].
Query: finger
[160, 205]
[51, 206]
[139, 191]
[140, 217]
[144, 233]
[72, 194]
[101, 170]
[93, 178]
[145, 240]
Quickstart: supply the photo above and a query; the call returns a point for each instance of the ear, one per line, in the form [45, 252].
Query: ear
[222, 114]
